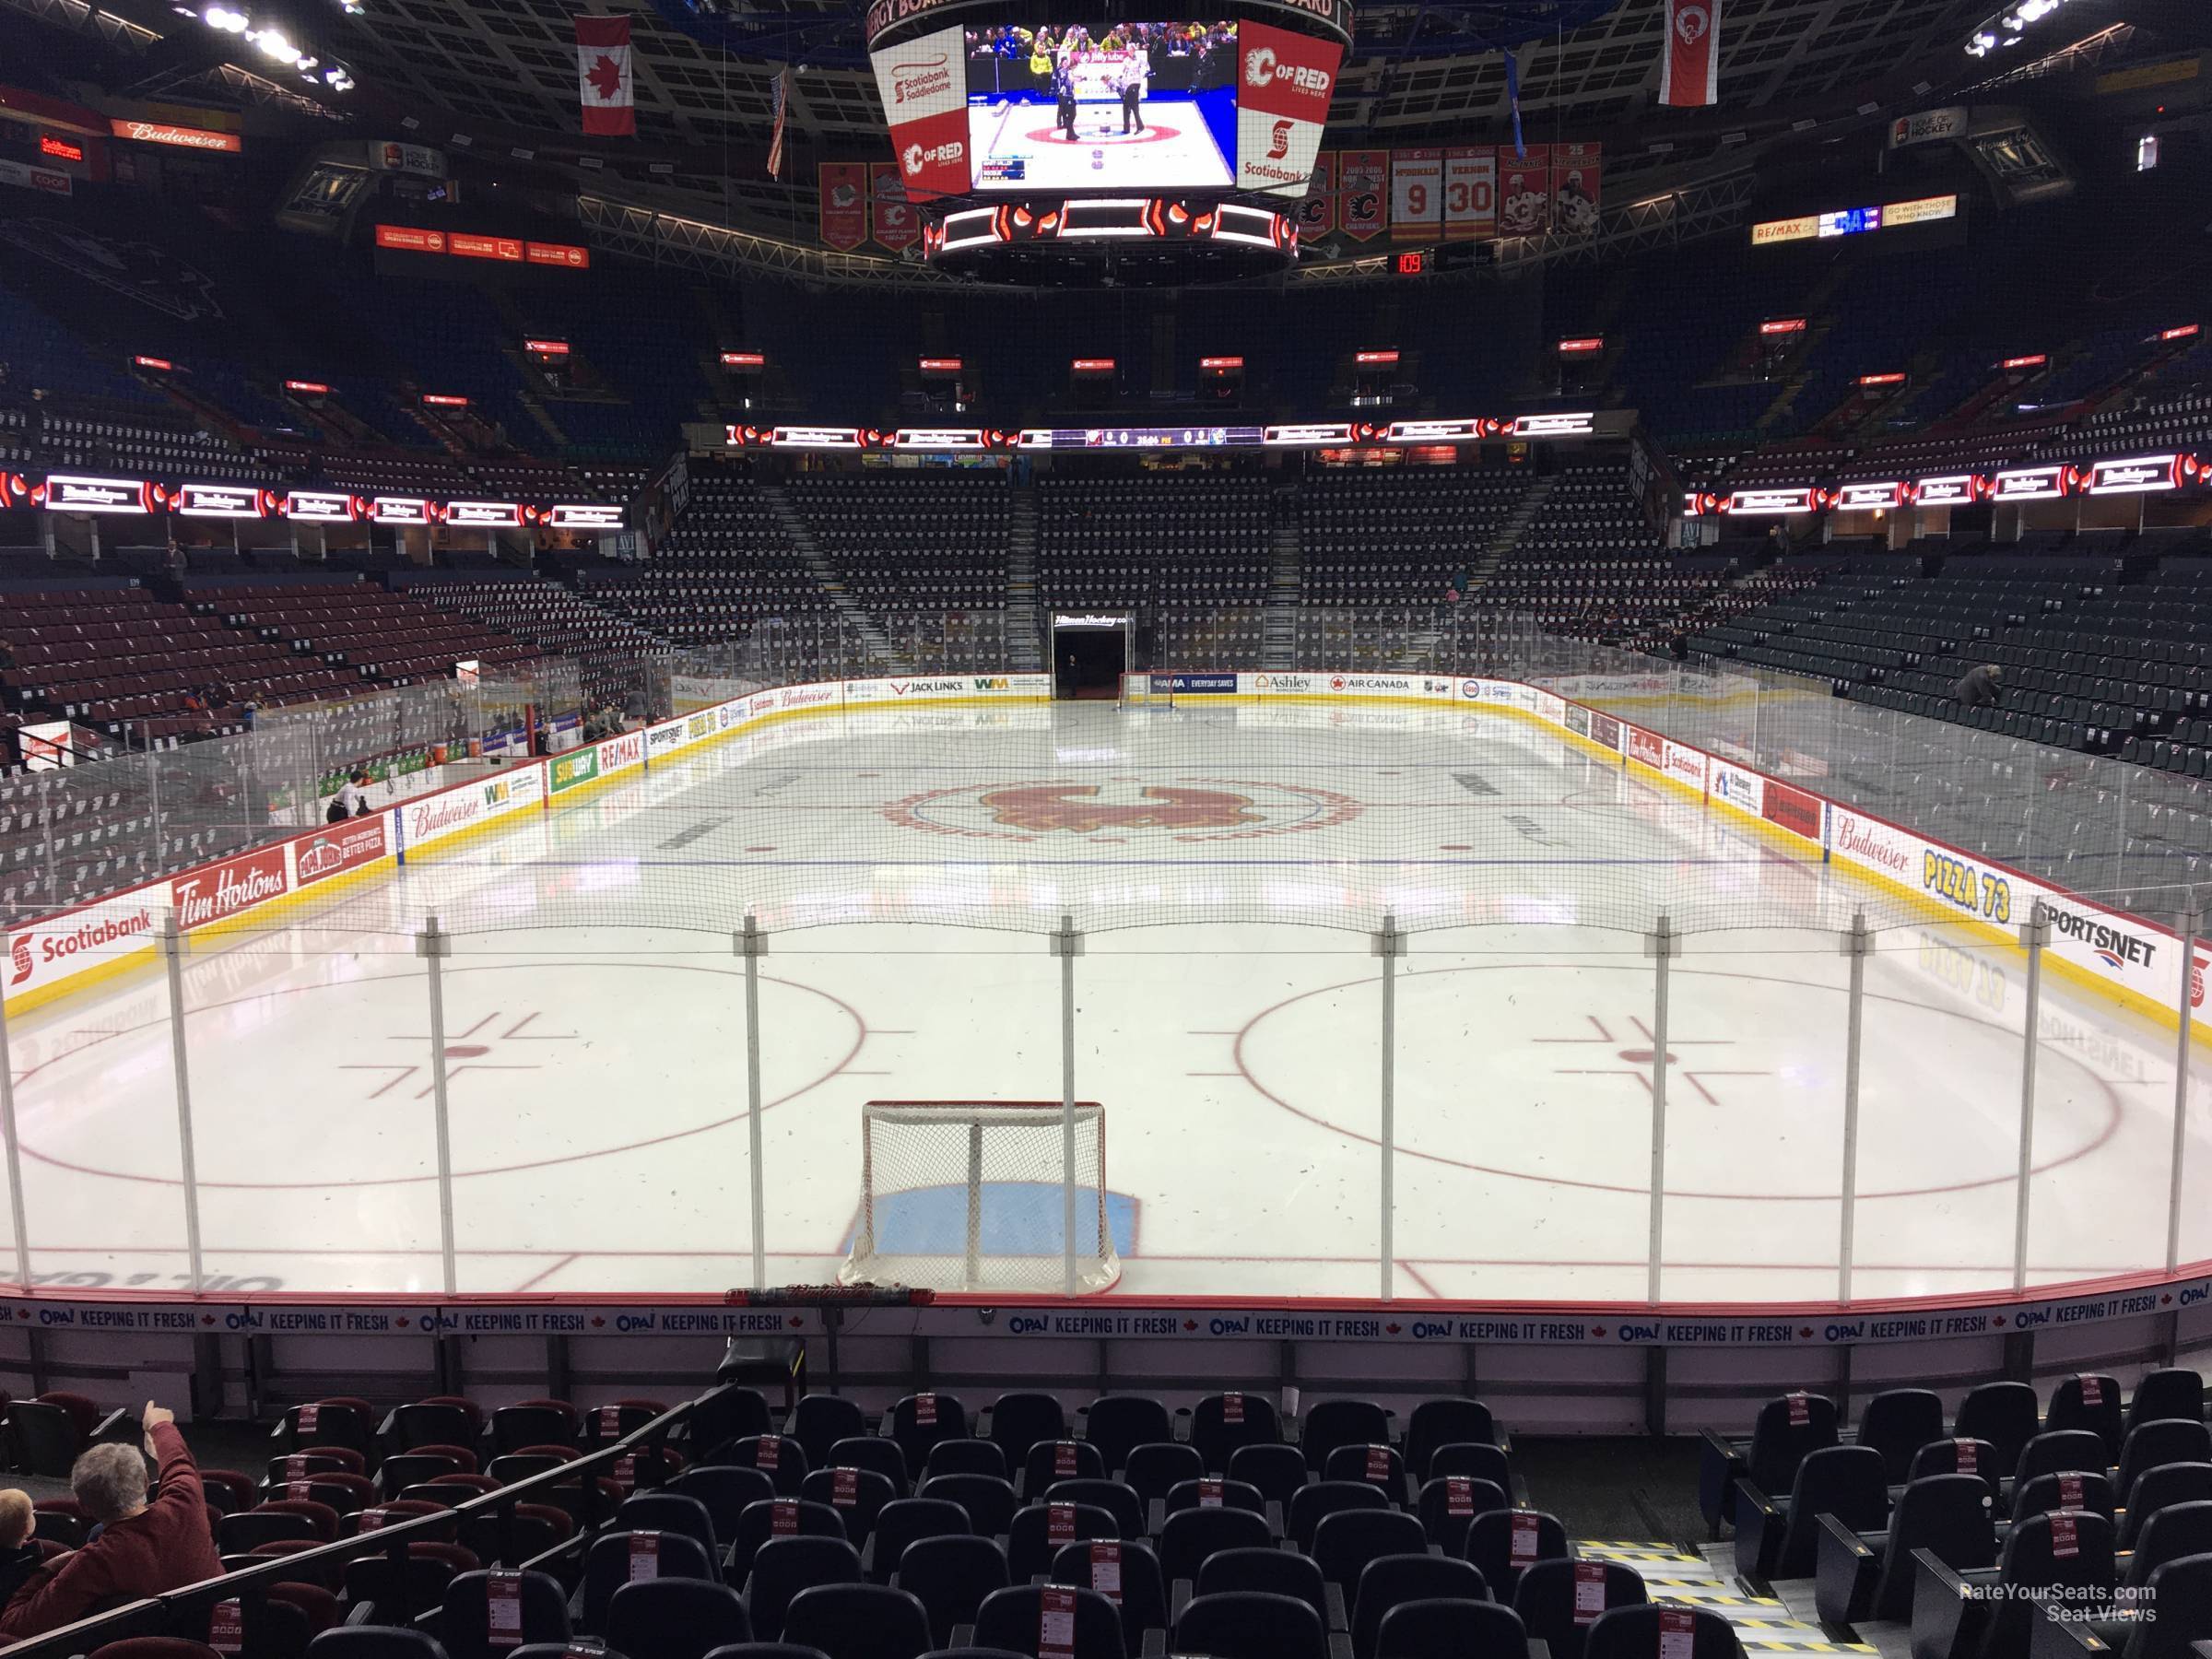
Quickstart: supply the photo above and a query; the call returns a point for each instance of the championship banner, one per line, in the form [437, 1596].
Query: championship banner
[1362, 182]
[893, 222]
[843, 206]
[1316, 215]
[1577, 173]
[1689, 70]
[1470, 193]
[1417, 191]
[1525, 192]
[923, 85]
[1284, 83]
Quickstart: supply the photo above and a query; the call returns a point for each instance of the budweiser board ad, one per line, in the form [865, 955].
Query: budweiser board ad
[1577, 173]
[1416, 190]
[1362, 186]
[893, 220]
[1284, 84]
[844, 204]
[1316, 215]
[924, 83]
[433, 817]
[1525, 191]
[1470, 193]
[338, 848]
[218, 893]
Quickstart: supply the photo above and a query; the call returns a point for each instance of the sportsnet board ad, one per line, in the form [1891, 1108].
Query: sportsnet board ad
[1284, 84]
[1104, 106]
[923, 85]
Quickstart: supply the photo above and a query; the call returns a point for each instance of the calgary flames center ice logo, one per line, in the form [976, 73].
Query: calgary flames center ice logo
[1691, 22]
[1120, 808]
[1076, 806]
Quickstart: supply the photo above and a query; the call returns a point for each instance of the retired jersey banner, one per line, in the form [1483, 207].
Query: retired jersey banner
[1577, 173]
[1690, 72]
[1316, 215]
[1525, 192]
[1416, 194]
[1362, 190]
[893, 221]
[1470, 193]
[844, 204]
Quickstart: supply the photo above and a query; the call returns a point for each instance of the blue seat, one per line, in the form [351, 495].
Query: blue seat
[1448, 1503]
[611, 1560]
[1331, 1424]
[1019, 1420]
[1187, 1538]
[1143, 1592]
[1492, 1546]
[758, 1523]
[870, 1451]
[858, 1621]
[920, 1420]
[783, 1567]
[1786, 1428]
[1776, 1537]
[1030, 1545]
[2006, 1414]
[668, 1512]
[1346, 1542]
[1453, 1628]
[1011, 1618]
[857, 1495]
[1222, 1422]
[2169, 1486]
[1279, 1473]
[1860, 1576]
[1443, 1423]
[2164, 1440]
[819, 1422]
[1315, 1503]
[1250, 1624]
[675, 1618]
[1225, 1494]
[990, 1501]
[1116, 1497]
[952, 1575]
[1115, 1423]
[1376, 1464]
[2056, 1450]
[1634, 1634]
[902, 1521]
[2090, 1401]
[725, 1490]
[963, 1457]
[1896, 1423]
[2171, 1392]
[464, 1622]
[1474, 1459]
[1388, 1580]
[1545, 1601]
[1269, 1571]
[1154, 1469]
[784, 1460]
[720, 1416]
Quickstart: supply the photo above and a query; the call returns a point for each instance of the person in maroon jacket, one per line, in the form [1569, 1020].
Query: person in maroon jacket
[142, 1549]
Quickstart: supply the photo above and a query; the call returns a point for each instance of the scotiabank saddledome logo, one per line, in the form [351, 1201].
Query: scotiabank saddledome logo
[1116, 810]
[927, 79]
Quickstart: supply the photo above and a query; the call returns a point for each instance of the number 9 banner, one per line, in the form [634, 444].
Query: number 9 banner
[1417, 194]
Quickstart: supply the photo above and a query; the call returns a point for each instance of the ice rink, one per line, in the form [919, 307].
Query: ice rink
[1227, 866]
[1175, 151]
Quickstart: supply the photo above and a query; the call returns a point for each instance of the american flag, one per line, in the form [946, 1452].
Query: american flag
[775, 137]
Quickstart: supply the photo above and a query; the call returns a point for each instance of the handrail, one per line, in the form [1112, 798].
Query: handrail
[154, 1615]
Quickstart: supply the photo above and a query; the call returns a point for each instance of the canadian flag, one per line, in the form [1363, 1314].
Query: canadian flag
[610, 109]
[1690, 75]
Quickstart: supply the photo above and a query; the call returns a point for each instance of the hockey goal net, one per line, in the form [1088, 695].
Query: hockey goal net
[983, 1196]
[1148, 690]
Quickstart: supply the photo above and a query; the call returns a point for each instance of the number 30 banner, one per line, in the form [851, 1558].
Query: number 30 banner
[1470, 192]
[1417, 194]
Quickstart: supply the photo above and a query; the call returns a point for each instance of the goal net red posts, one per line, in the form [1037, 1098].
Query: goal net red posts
[984, 1195]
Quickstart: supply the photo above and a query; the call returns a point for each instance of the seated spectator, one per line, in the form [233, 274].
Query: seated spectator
[142, 1549]
[20, 1557]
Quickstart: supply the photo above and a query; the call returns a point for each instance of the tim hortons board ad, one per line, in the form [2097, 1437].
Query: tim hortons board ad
[222, 891]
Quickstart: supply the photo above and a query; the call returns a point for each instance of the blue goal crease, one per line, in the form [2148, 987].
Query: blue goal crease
[1019, 1218]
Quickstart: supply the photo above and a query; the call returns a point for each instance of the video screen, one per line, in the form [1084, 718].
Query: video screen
[1121, 106]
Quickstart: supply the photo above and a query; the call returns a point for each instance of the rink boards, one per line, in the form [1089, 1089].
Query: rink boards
[2134, 961]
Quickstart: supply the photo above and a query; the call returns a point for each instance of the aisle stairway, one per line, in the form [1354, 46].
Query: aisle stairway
[876, 644]
[1025, 632]
[1285, 577]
